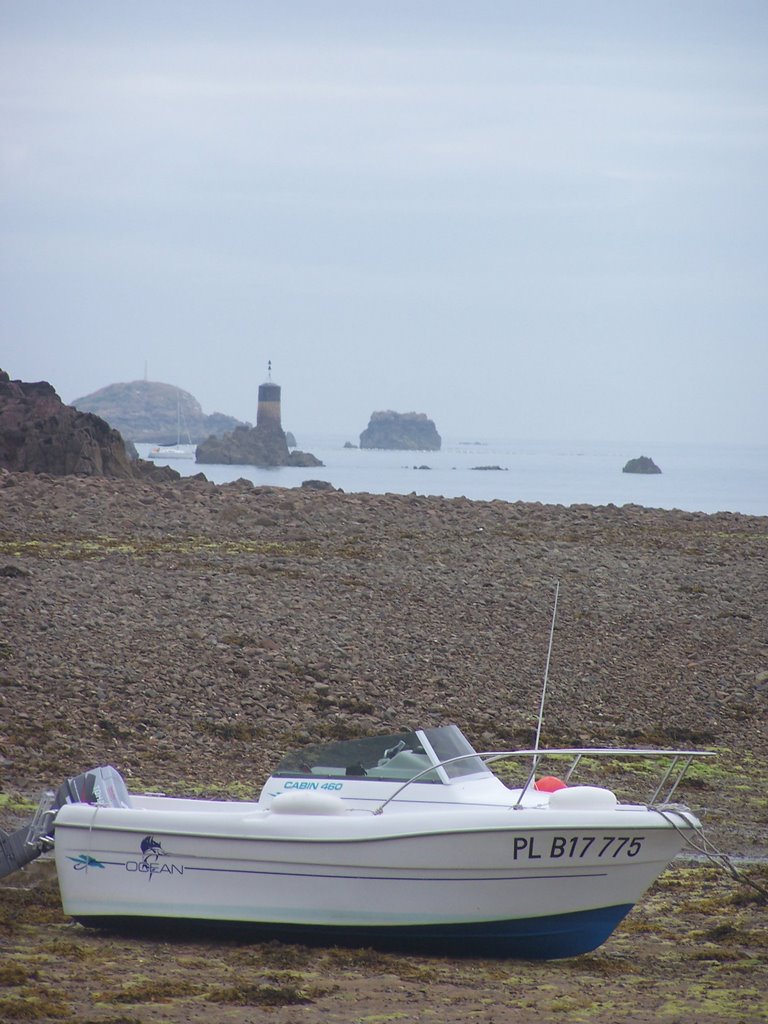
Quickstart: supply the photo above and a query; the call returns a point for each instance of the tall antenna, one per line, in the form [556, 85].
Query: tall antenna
[546, 670]
[535, 758]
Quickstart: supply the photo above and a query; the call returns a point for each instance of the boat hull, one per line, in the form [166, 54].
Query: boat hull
[538, 938]
[481, 887]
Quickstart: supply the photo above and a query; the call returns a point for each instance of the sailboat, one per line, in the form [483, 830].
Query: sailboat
[174, 451]
[171, 451]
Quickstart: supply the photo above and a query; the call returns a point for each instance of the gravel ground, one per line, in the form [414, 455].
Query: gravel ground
[190, 634]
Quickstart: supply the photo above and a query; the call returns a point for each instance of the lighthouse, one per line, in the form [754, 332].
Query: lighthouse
[262, 445]
[268, 410]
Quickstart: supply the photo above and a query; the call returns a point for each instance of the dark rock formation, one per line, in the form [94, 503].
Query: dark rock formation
[39, 434]
[319, 485]
[264, 445]
[297, 458]
[409, 431]
[148, 411]
[641, 465]
[131, 450]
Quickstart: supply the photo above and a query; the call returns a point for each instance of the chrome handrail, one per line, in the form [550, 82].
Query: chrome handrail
[488, 757]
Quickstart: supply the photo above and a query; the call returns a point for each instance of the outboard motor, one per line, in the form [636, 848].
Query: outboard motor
[28, 842]
[100, 786]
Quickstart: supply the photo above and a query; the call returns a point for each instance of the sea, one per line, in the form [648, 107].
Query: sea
[694, 477]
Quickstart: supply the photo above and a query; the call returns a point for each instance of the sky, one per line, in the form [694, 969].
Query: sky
[541, 219]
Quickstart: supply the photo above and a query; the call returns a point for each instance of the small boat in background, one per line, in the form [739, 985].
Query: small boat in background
[171, 452]
[178, 450]
[407, 841]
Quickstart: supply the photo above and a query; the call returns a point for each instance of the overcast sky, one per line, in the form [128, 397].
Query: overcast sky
[525, 219]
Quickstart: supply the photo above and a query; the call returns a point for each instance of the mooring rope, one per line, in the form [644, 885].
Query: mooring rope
[707, 848]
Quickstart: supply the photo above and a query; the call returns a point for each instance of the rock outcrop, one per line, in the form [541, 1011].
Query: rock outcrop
[408, 431]
[39, 434]
[320, 485]
[264, 445]
[641, 465]
[149, 411]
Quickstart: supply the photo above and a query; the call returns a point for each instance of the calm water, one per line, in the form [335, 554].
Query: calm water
[696, 478]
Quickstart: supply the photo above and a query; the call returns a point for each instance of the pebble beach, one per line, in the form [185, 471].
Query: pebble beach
[190, 634]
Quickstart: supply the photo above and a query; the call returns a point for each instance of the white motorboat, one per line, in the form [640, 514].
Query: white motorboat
[405, 841]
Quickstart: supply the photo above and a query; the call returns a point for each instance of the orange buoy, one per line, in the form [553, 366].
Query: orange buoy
[549, 784]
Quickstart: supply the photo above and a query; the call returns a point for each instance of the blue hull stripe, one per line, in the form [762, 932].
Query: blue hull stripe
[550, 937]
[80, 865]
[440, 879]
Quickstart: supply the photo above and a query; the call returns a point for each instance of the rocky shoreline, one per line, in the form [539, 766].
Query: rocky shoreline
[190, 634]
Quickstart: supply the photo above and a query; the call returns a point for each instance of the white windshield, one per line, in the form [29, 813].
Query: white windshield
[396, 757]
[449, 742]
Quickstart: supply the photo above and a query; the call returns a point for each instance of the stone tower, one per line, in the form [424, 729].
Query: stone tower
[268, 410]
[262, 445]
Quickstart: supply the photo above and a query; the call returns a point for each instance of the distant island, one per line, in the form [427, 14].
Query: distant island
[401, 431]
[152, 412]
[641, 465]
